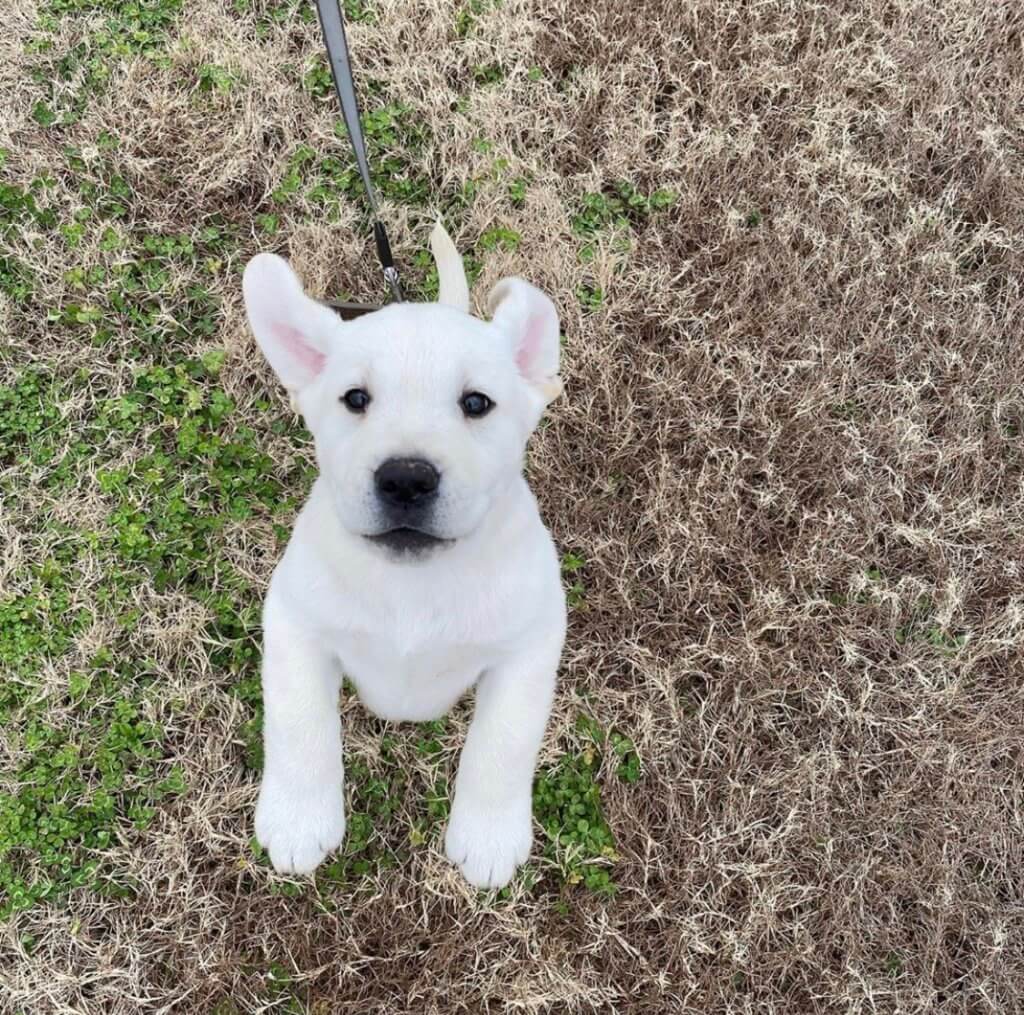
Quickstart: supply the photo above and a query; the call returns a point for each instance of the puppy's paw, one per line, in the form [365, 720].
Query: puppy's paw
[299, 828]
[487, 843]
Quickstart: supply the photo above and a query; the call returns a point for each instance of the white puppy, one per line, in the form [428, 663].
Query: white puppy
[419, 567]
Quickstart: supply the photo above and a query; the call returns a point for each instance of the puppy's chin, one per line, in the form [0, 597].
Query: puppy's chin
[408, 544]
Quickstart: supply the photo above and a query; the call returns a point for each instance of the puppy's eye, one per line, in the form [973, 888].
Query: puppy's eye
[356, 400]
[475, 404]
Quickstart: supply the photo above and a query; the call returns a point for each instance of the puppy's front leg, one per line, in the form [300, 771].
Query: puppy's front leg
[490, 829]
[300, 816]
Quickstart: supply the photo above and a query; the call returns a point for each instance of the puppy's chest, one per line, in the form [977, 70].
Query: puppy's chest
[415, 685]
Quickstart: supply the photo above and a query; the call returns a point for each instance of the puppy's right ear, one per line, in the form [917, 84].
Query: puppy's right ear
[293, 330]
[529, 322]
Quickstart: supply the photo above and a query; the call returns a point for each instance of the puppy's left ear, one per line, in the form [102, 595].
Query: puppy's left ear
[295, 332]
[530, 323]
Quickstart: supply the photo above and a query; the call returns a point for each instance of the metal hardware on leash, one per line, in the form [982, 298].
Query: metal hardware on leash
[332, 24]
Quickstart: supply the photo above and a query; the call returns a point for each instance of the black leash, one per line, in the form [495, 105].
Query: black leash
[332, 24]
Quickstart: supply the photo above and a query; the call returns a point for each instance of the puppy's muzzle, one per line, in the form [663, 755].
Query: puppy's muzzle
[407, 487]
[407, 491]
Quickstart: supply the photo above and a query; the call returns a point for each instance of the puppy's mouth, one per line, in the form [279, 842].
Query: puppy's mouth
[408, 541]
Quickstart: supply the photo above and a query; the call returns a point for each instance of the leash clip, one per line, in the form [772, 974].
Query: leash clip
[391, 277]
[387, 262]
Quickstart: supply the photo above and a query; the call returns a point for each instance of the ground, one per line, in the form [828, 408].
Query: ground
[784, 772]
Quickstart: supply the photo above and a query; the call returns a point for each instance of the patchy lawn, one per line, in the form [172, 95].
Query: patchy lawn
[784, 772]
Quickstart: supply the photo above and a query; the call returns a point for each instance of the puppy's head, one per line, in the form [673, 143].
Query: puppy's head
[420, 413]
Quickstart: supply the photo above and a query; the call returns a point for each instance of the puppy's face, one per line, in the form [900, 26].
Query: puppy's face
[420, 413]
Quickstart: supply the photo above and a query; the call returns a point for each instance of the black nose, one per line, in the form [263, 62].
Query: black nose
[407, 482]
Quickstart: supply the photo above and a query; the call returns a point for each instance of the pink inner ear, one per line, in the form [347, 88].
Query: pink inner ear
[298, 348]
[529, 347]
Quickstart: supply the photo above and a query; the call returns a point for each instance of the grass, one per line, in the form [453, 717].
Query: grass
[782, 774]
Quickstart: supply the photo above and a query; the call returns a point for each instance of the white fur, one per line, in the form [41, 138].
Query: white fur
[484, 609]
[453, 289]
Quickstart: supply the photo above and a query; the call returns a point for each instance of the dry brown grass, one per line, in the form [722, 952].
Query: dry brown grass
[782, 432]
